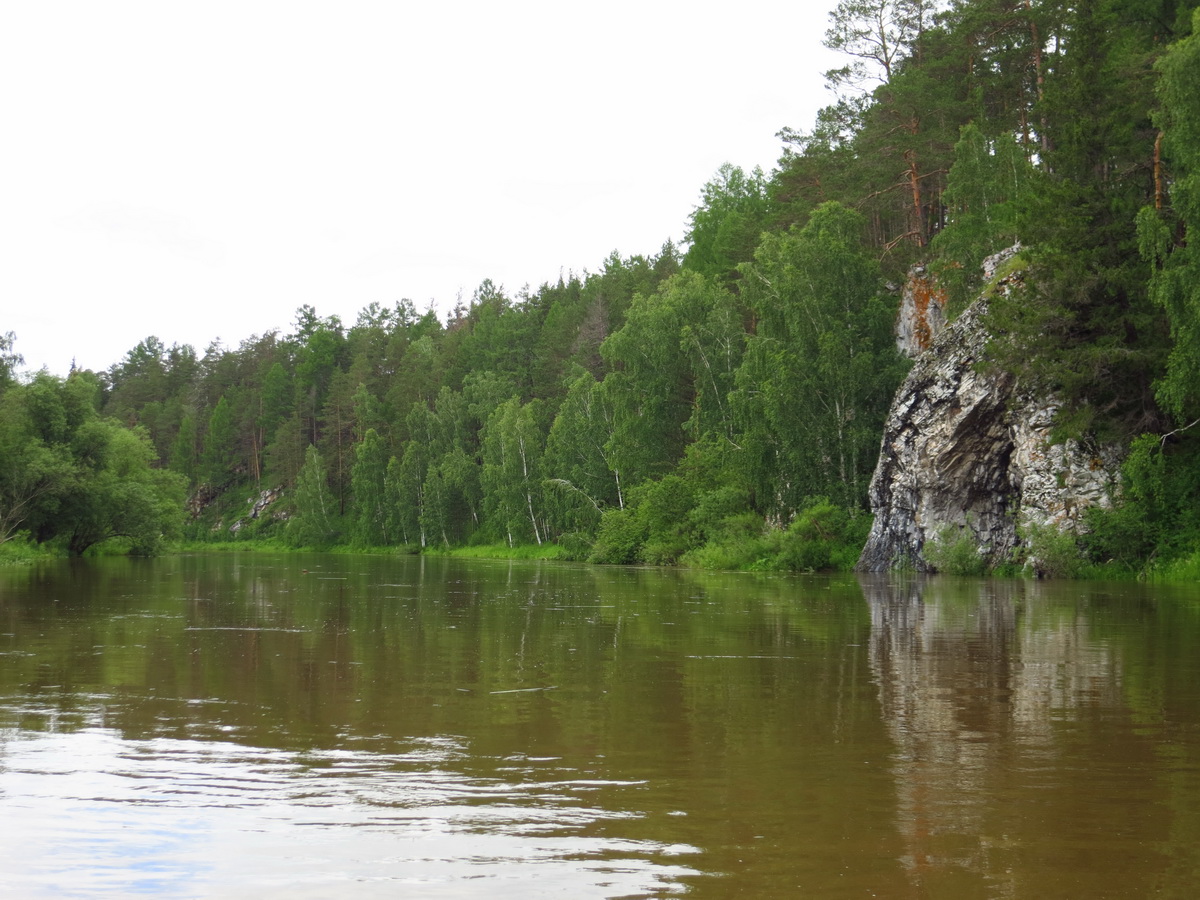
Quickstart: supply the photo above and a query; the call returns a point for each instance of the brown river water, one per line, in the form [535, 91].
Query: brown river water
[261, 726]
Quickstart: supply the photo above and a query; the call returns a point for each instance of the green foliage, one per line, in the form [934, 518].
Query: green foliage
[220, 455]
[316, 362]
[511, 475]
[1183, 569]
[397, 516]
[1049, 552]
[337, 440]
[22, 551]
[404, 485]
[740, 543]
[578, 459]
[620, 537]
[368, 481]
[1170, 238]
[989, 183]
[649, 387]
[724, 229]
[877, 35]
[183, 457]
[463, 477]
[721, 512]
[69, 477]
[664, 508]
[34, 473]
[504, 551]
[275, 400]
[314, 518]
[1086, 327]
[820, 372]
[1084, 330]
[126, 498]
[1156, 519]
[955, 551]
[10, 359]
[285, 454]
[823, 537]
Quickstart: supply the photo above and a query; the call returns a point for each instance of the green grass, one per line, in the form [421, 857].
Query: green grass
[1183, 570]
[242, 546]
[500, 550]
[483, 551]
[20, 551]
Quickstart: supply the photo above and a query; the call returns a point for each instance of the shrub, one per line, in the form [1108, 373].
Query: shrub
[736, 542]
[664, 508]
[1185, 568]
[1157, 518]
[619, 538]
[954, 550]
[823, 537]
[716, 509]
[1050, 553]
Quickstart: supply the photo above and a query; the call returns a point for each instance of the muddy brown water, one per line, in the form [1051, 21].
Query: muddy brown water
[259, 726]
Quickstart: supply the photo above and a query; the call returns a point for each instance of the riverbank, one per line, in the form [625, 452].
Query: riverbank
[20, 551]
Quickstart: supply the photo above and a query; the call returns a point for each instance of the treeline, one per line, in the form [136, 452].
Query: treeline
[723, 405]
[633, 414]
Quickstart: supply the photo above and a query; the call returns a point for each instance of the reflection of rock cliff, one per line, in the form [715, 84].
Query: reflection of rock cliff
[965, 452]
[975, 682]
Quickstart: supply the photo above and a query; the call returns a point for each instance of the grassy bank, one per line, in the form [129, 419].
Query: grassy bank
[500, 551]
[797, 549]
[20, 551]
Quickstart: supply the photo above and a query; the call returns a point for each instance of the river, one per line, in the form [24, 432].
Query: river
[324, 726]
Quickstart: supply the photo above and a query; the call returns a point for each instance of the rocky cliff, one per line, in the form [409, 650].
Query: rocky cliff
[966, 453]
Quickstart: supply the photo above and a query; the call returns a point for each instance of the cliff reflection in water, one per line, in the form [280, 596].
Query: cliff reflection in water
[1016, 750]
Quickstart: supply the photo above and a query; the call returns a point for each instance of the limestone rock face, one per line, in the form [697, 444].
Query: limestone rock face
[966, 452]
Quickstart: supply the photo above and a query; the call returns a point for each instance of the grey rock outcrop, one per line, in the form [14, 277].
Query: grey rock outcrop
[966, 452]
[259, 505]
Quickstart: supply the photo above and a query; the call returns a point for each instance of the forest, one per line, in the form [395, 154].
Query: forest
[720, 403]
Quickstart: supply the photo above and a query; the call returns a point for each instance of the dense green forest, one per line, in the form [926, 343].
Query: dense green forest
[721, 403]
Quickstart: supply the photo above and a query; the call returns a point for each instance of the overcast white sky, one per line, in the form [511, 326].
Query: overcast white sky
[198, 170]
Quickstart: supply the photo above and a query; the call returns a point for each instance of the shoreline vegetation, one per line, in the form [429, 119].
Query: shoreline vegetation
[1183, 570]
[718, 404]
[1180, 571]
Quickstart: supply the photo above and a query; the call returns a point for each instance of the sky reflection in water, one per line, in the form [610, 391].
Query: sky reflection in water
[104, 816]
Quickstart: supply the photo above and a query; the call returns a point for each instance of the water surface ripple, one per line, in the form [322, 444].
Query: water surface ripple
[104, 816]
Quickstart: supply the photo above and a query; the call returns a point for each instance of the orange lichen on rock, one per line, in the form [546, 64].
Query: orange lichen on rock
[922, 314]
[925, 293]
